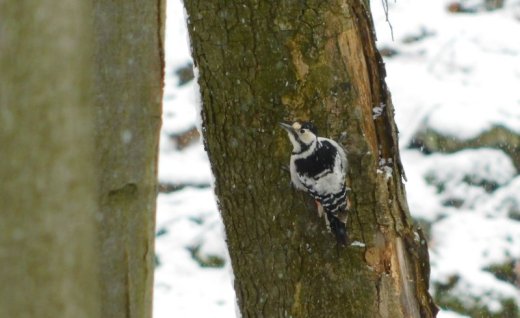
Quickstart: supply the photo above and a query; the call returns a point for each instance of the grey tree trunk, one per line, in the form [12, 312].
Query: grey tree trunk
[129, 60]
[47, 188]
[261, 62]
[78, 162]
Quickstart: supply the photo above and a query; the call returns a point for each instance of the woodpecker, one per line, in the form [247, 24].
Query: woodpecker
[318, 166]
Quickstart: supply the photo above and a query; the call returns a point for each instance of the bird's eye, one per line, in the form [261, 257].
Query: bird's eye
[302, 131]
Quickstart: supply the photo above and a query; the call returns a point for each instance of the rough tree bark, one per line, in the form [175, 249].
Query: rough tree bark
[261, 62]
[128, 95]
[47, 188]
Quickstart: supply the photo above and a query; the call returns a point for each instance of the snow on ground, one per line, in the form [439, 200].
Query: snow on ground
[189, 228]
[465, 179]
[191, 165]
[187, 220]
[456, 73]
[459, 73]
[464, 243]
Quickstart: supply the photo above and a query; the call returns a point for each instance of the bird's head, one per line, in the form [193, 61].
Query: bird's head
[302, 135]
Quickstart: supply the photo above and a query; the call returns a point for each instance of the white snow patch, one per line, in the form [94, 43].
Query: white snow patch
[464, 245]
[449, 314]
[189, 219]
[377, 111]
[179, 112]
[176, 46]
[357, 244]
[505, 202]
[461, 77]
[473, 165]
[173, 166]
[459, 178]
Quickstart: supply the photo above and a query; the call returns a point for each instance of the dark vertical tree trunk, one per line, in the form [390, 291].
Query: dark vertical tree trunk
[128, 91]
[261, 62]
[47, 184]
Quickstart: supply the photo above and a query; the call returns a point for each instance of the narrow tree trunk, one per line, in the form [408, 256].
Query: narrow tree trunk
[261, 62]
[47, 188]
[128, 91]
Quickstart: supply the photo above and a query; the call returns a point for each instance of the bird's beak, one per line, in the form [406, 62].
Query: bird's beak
[287, 127]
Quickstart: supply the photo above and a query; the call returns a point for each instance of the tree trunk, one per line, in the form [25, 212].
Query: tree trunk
[77, 226]
[128, 90]
[47, 188]
[262, 62]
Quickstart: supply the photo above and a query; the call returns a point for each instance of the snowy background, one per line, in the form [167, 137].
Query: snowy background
[454, 74]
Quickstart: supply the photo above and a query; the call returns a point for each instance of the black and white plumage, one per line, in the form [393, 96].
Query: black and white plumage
[318, 166]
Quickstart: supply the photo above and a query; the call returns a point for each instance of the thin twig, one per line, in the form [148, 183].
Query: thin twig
[385, 8]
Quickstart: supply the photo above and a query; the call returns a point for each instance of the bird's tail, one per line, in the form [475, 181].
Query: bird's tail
[338, 228]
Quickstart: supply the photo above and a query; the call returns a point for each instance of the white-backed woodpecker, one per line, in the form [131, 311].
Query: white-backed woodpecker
[319, 166]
